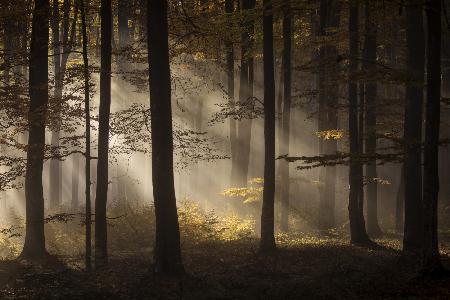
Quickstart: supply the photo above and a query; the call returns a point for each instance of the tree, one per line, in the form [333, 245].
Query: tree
[61, 51]
[239, 170]
[229, 9]
[327, 113]
[167, 253]
[101, 253]
[431, 259]
[267, 242]
[87, 154]
[34, 247]
[369, 61]
[358, 233]
[286, 116]
[415, 63]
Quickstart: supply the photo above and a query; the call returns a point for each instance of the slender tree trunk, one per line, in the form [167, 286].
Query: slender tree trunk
[61, 51]
[415, 60]
[329, 17]
[240, 169]
[267, 243]
[370, 56]
[55, 176]
[122, 16]
[286, 117]
[358, 233]
[229, 9]
[87, 113]
[167, 251]
[400, 204]
[101, 253]
[431, 257]
[75, 181]
[34, 247]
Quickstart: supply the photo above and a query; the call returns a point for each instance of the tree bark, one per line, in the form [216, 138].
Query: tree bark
[101, 253]
[229, 9]
[431, 258]
[75, 181]
[400, 204]
[240, 169]
[34, 247]
[286, 116]
[87, 114]
[415, 60]
[167, 253]
[327, 113]
[369, 60]
[267, 242]
[358, 233]
[61, 51]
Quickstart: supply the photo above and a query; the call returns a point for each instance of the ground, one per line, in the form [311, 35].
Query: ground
[303, 268]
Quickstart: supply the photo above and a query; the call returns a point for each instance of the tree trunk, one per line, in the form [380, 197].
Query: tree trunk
[431, 257]
[400, 204]
[327, 113]
[61, 51]
[286, 116]
[229, 9]
[415, 60]
[370, 56]
[75, 181]
[240, 169]
[267, 243]
[358, 233]
[87, 114]
[101, 254]
[167, 259]
[122, 20]
[34, 247]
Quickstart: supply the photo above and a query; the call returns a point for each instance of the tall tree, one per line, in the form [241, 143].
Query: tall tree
[369, 63]
[431, 258]
[61, 51]
[239, 170]
[167, 244]
[327, 113]
[415, 63]
[267, 242]
[101, 253]
[229, 9]
[358, 233]
[34, 247]
[75, 180]
[87, 113]
[286, 115]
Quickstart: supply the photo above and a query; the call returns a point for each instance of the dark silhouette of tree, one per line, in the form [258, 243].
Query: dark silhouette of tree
[267, 242]
[369, 61]
[34, 247]
[229, 9]
[101, 253]
[61, 51]
[327, 113]
[167, 253]
[415, 63]
[239, 170]
[87, 154]
[358, 233]
[286, 115]
[431, 257]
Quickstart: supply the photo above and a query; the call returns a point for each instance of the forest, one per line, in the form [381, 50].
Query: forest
[224, 149]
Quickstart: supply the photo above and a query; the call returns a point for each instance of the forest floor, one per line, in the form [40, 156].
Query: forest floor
[303, 268]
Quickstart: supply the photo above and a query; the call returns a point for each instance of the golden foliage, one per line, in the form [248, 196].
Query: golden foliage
[249, 194]
[334, 134]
